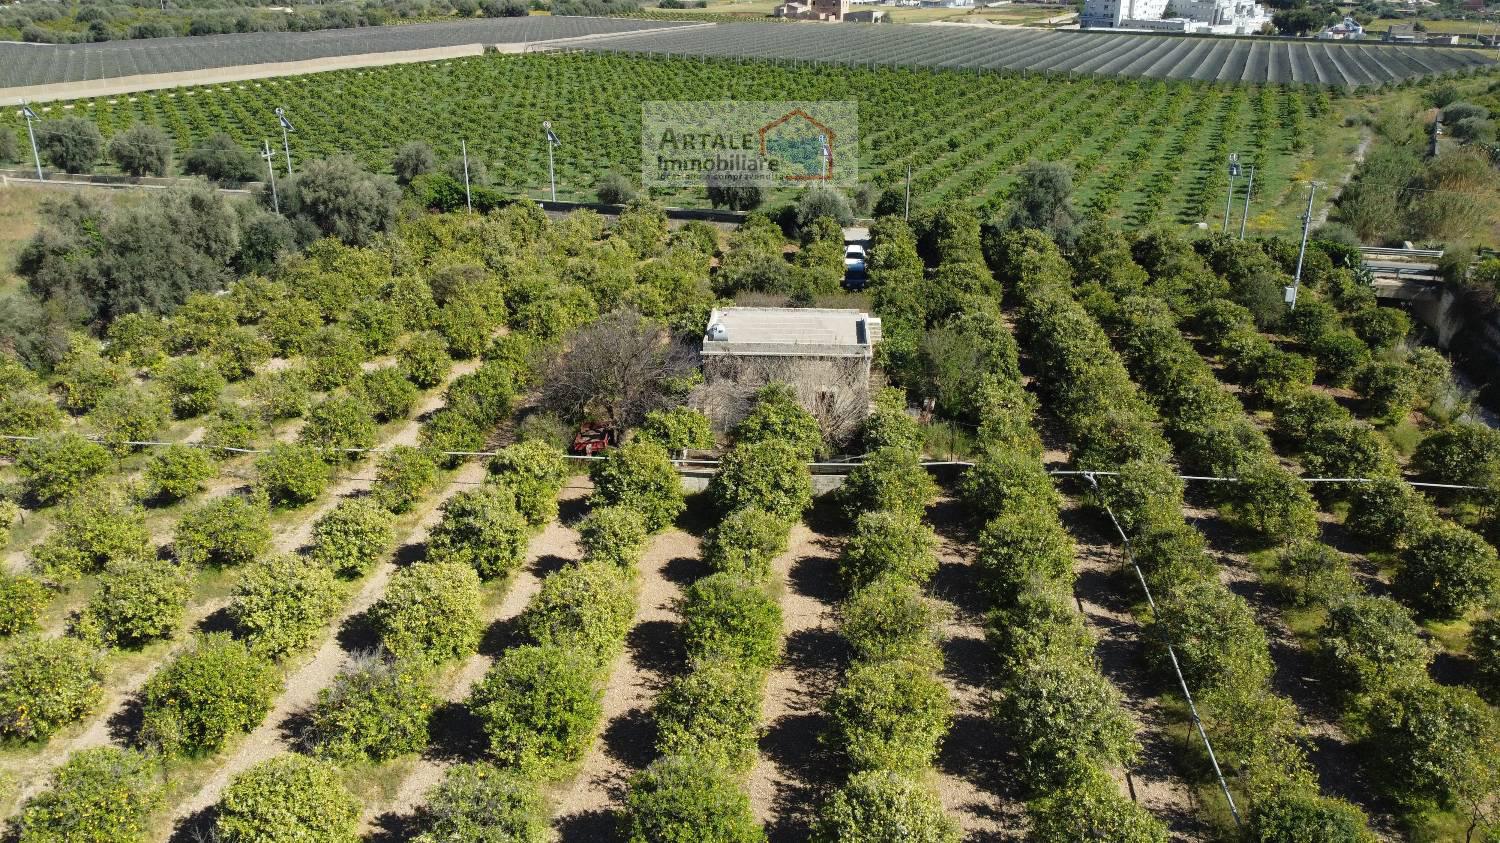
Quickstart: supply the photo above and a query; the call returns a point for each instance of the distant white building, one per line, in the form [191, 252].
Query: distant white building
[1203, 17]
[1347, 29]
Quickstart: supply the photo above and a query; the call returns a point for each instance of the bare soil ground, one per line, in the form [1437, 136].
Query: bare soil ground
[972, 778]
[794, 770]
[587, 807]
[1296, 675]
[456, 734]
[1106, 593]
[278, 732]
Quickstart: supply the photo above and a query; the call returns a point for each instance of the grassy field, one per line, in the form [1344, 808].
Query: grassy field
[1143, 151]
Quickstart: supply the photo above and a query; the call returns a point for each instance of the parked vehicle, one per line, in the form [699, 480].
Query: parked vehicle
[592, 438]
[854, 266]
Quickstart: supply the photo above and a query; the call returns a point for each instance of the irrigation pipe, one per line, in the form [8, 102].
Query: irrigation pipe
[710, 463]
[1171, 652]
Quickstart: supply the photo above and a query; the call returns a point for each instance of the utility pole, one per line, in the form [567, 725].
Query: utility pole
[1291, 295]
[267, 154]
[31, 133]
[1234, 170]
[468, 199]
[1249, 188]
[552, 141]
[908, 193]
[286, 146]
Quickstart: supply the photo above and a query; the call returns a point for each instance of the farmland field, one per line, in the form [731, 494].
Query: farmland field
[1142, 149]
[968, 48]
[1105, 54]
[39, 64]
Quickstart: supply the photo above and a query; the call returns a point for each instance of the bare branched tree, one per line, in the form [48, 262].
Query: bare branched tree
[617, 369]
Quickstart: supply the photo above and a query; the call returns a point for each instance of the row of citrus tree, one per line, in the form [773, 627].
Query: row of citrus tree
[1216, 641]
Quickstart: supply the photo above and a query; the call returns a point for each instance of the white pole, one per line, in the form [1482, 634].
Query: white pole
[271, 171]
[551, 172]
[908, 193]
[36, 157]
[287, 147]
[1244, 218]
[1228, 202]
[1302, 252]
[468, 200]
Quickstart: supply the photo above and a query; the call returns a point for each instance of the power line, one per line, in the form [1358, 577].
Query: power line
[1171, 652]
[684, 462]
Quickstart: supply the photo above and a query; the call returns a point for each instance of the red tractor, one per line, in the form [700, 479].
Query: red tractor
[592, 438]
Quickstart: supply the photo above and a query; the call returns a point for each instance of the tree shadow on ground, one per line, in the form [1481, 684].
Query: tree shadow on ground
[656, 646]
[125, 725]
[630, 738]
[827, 516]
[392, 827]
[357, 633]
[683, 571]
[197, 827]
[599, 826]
[456, 734]
[793, 743]
[572, 510]
[698, 516]
[816, 577]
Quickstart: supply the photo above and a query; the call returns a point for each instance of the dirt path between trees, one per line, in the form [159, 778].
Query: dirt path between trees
[1105, 592]
[457, 736]
[586, 808]
[972, 769]
[789, 778]
[277, 732]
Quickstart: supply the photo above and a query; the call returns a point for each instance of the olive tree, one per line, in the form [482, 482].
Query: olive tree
[142, 150]
[338, 197]
[71, 144]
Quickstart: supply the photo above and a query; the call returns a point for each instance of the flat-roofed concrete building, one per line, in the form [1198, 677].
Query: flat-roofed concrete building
[824, 354]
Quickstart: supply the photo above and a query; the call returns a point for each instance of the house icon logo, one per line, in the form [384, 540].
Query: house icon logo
[800, 146]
